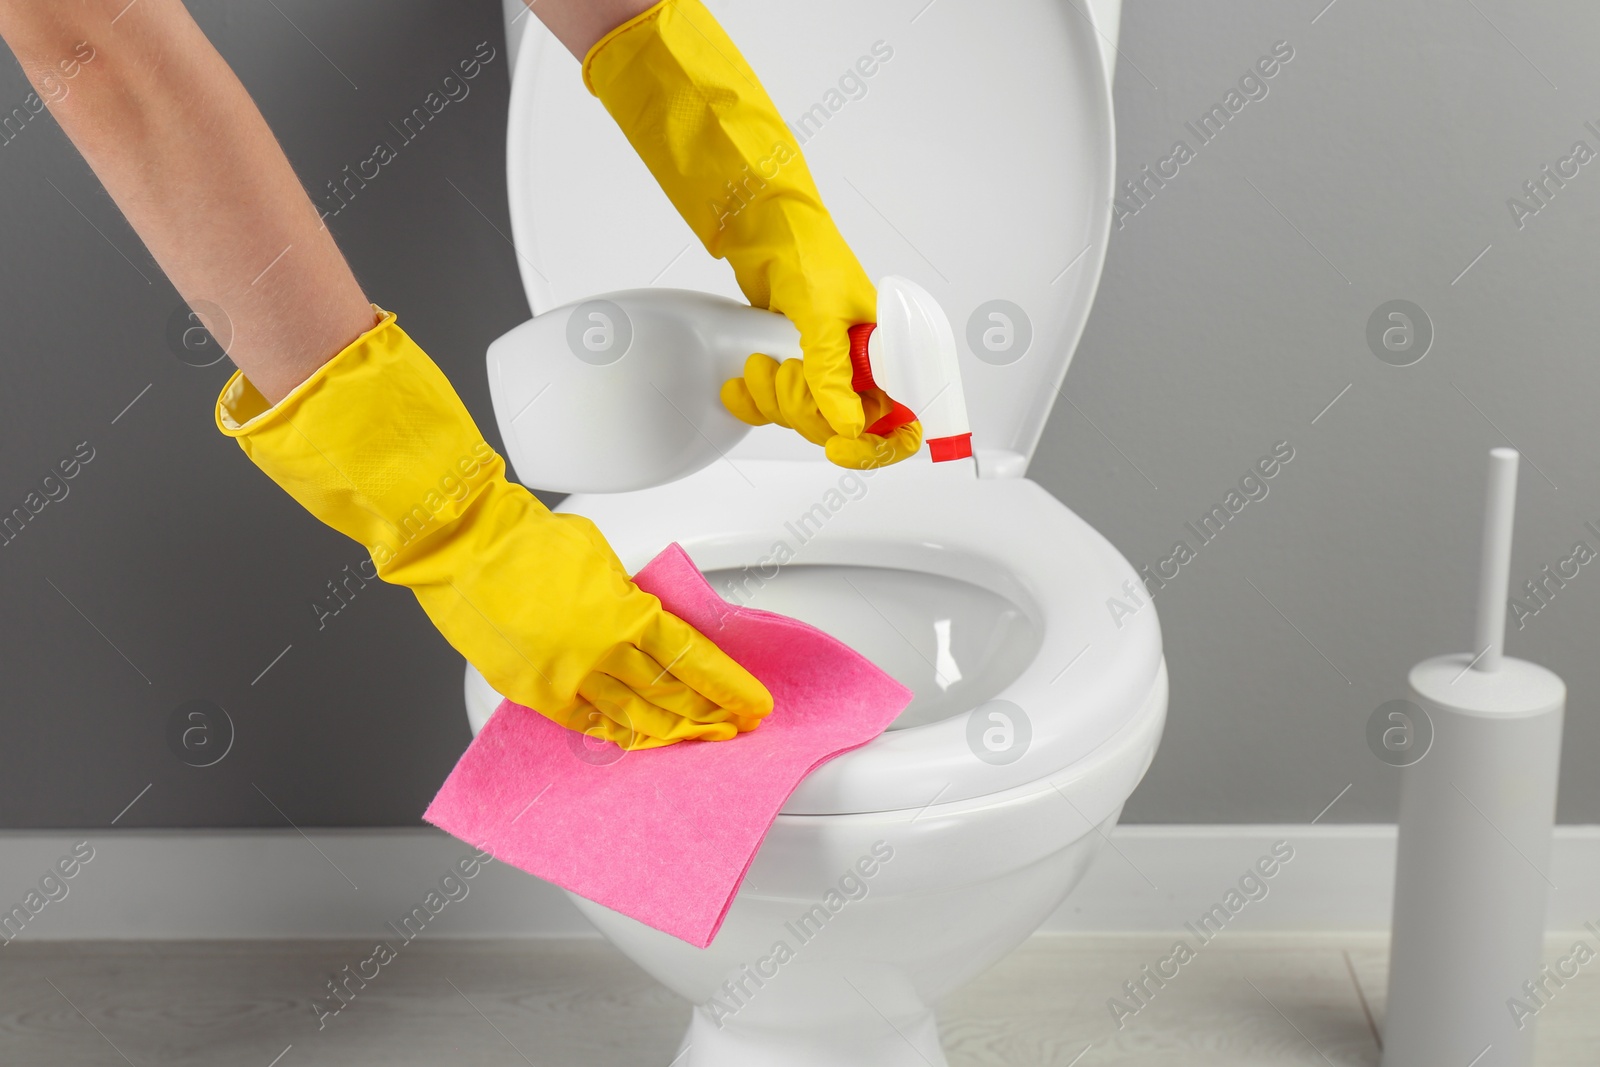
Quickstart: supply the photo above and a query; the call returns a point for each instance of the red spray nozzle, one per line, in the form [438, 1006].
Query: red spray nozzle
[861, 380]
[942, 449]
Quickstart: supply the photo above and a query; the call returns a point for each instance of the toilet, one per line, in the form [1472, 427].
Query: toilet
[900, 870]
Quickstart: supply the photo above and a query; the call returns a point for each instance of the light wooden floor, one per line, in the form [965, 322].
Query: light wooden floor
[1254, 1001]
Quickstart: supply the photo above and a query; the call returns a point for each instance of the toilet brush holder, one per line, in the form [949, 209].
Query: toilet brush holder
[1477, 811]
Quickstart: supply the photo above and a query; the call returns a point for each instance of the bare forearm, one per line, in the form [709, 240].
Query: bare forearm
[579, 24]
[186, 155]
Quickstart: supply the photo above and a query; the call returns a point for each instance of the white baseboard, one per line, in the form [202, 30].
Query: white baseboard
[200, 884]
[1340, 880]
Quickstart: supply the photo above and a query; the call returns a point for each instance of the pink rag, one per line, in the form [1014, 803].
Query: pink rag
[666, 835]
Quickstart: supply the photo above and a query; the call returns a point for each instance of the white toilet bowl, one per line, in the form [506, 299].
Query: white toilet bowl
[899, 870]
[986, 597]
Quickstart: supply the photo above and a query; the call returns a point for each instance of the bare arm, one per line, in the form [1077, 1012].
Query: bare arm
[183, 150]
[579, 24]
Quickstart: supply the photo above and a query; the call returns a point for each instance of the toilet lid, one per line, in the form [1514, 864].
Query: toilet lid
[992, 191]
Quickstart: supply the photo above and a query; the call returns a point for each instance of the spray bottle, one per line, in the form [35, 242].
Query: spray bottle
[621, 391]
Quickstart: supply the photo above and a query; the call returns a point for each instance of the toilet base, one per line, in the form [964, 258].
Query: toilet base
[870, 1040]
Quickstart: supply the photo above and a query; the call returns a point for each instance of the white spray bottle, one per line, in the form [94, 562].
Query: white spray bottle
[910, 353]
[621, 391]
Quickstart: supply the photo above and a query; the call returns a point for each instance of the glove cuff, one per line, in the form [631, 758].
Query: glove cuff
[650, 14]
[375, 443]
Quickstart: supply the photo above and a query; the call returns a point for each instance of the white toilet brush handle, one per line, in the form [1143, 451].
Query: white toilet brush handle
[1494, 570]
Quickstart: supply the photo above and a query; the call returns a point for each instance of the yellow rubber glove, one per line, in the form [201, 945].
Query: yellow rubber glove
[777, 392]
[378, 445]
[693, 110]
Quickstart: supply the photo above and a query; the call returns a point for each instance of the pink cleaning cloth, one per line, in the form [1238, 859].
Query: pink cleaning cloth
[666, 835]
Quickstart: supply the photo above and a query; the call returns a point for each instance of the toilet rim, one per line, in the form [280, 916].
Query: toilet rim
[1088, 679]
[945, 845]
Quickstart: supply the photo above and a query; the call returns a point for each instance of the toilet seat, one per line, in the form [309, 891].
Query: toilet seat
[1092, 674]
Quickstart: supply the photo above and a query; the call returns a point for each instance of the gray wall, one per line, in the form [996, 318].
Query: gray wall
[174, 570]
[1229, 317]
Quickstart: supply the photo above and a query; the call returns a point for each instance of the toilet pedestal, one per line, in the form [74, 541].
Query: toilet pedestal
[794, 979]
[868, 1039]
[859, 993]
